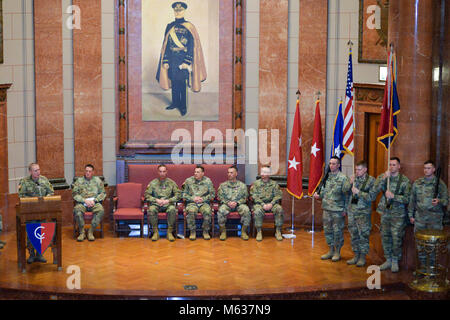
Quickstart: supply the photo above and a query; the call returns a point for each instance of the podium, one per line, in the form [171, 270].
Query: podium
[42, 208]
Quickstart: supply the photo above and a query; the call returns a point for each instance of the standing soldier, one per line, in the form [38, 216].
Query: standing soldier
[233, 195]
[425, 210]
[267, 196]
[162, 195]
[359, 213]
[198, 191]
[392, 208]
[88, 193]
[34, 185]
[334, 194]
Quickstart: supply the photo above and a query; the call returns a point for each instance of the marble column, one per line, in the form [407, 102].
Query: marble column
[413, 47]
[273, 31]
[4, 183]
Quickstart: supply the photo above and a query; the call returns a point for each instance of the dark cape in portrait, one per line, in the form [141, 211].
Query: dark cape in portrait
[198, 74]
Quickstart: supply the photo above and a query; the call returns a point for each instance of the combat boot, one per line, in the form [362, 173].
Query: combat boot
[155, 235]
[259, 236]
[223, 233]
[40, 258]
[386, 265]
[329, 254]
[82, 235]
[278, 234]
[170, 236]
[90, 234]
[192, 235]
[361, 261]
[354, 260]
[337, 255]
[394, 266]
[32, 256]
[206, 235]
[244, 235]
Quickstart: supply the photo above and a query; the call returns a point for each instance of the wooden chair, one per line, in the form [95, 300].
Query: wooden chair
[87, 221]
[128, 206]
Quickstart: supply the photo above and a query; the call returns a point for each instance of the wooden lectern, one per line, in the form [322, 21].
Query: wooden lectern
[42, 208]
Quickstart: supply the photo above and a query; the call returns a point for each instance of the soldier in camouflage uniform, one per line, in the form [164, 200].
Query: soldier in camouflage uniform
[232, 195]
[267, 196]
[88, 193]
[162, 195]
[359, 213]
[334, 194]
[198, 191]
[34, 185]
[425, 211]
[392, 208]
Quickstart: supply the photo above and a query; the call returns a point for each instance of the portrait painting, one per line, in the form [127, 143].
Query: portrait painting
[180, 60]
[373, 31]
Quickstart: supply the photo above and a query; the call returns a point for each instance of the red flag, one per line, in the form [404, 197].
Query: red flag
[316, 163]
[295, 169]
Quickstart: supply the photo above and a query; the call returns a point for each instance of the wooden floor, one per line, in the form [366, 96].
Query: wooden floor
[137, 267]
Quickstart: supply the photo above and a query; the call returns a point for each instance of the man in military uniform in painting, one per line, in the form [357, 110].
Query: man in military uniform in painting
[34, 185]
[233, 195]
[359, 213]
[181, 62]
[267, 196]
[425, 210]
[392, 208]
[162, 194]
[334, 195]
[198, 191]
[88, 192]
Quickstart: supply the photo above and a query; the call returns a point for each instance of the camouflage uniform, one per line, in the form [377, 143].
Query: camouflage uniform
[167, 190]
[393, 220]
[233, 191]
[264, 193]
[30, 188]
[359, 223]
[198, 188]
[334, 196]
[427, 216]
[83, 189]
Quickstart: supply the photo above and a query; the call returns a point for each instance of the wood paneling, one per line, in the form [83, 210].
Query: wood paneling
[87, 87]
[48, 66]
[4, 182]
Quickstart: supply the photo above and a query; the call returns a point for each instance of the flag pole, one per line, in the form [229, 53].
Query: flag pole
[390, 109]
[350, 44]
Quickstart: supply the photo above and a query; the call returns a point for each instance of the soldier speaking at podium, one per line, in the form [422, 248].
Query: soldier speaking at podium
[34, 185]
[181, 63]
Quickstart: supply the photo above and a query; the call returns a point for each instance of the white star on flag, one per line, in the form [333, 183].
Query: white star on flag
[293, 163]
[314, 149]
[337, 151]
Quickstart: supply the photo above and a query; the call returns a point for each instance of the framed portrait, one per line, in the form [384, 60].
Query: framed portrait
[373, 31]
[176, 70]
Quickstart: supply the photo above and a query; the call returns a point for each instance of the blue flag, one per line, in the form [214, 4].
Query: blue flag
[337, 147]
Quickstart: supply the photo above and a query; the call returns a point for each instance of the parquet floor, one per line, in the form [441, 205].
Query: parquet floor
[140, 267]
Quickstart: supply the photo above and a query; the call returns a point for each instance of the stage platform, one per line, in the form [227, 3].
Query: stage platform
[137, 268]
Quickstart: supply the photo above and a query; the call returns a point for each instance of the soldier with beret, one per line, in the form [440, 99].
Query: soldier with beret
[267, 195]
[35, 185]
[88, 193]
[162, 194]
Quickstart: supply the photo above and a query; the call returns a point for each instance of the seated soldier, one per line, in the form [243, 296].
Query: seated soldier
[34, 185]
[162, 195]
[233, 195]
[88, 192]
[267, 195]
[198, 191]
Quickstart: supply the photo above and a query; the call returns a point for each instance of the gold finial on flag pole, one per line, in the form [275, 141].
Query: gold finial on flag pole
[350, 43]
[318, 95]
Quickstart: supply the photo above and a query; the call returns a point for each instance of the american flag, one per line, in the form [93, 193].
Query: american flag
[349, 125]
